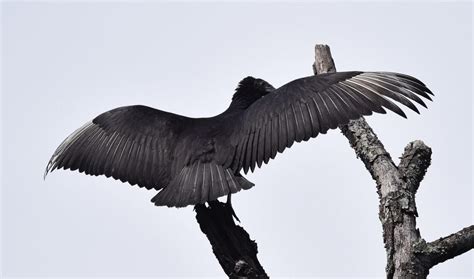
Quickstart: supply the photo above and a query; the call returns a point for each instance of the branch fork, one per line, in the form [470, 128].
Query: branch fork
[408, 254]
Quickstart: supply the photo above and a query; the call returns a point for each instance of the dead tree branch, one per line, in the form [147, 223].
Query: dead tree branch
[414, 162]
[446, 248]
[231, 244]
[408, 255]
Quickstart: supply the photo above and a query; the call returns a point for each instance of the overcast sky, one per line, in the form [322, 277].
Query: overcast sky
[313, 211]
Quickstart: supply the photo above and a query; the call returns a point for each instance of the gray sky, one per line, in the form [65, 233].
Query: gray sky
[313, 210]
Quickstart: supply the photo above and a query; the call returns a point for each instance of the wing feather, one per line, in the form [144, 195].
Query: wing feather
[261, 145]
[323, 114]
[305, 117]
[111, 145]
[268, 142]
[375, 98]
[344, 102]
[290, 127]
[313, 118]
[419, 89]
[283, 132]
[93, 151]
[148, 164]
[390, 87]
[255, 147]
[248, 153]
[85, 164]
[299, 122]
[364, 99]
[400, 97]
[335, 115]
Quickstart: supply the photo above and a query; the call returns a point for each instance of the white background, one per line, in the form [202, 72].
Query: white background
[313, 211]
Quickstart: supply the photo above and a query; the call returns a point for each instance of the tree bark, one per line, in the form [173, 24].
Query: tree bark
[231, 244]
[408, 255]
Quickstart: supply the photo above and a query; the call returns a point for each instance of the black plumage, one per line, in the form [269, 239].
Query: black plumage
[194, 160]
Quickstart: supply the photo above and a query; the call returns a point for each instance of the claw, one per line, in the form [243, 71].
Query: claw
[229, 204]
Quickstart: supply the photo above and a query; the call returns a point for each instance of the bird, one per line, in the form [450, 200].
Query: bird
[192, 161]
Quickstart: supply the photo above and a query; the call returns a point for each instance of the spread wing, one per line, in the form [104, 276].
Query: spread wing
[309, 106]
[132, 144]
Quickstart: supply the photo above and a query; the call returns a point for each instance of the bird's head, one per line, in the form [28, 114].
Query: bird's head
[256, 86]
[249, 90]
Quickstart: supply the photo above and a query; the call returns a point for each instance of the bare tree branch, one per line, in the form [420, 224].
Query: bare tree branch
[408, 255]
[414, 162]
[397, 210]
[445, 248]
[231, 244]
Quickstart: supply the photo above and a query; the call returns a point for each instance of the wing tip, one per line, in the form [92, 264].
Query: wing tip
[400, 112]
[404, 115]
[49, 168]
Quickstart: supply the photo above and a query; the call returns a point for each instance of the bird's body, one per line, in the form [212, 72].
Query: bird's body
[195, 160]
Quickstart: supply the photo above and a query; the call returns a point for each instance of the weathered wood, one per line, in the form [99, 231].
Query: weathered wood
[231, 244]
[445, 248]
[397, 206]
[413, 164]
[408, 255]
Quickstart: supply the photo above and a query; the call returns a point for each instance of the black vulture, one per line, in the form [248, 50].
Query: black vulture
[196, 160]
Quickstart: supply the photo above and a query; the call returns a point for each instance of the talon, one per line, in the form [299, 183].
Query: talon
[229, 204]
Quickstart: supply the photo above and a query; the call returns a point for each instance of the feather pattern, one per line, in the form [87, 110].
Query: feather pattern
[199, 183]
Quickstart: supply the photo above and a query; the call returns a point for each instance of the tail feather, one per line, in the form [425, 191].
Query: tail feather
[244, 183]
[200, 183]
